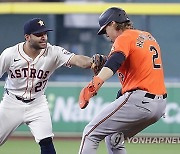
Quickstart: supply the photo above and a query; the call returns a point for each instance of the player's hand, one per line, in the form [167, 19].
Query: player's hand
[85, 95]
[98, 63]
[89, 91]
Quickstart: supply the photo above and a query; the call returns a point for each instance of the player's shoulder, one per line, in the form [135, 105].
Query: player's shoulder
[141, 32]
[131, 32]
[57, 49]
[146, 36]
[127, 35]
[53, 47]
[11, 50]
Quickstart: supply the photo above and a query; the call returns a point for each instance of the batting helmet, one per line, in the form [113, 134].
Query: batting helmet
[111, 14]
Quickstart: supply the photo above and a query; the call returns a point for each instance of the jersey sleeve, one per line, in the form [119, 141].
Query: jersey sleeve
[122, 44]
[5, 61]
[63, 57]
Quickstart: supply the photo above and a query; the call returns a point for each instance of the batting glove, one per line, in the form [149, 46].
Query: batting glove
[89, 91]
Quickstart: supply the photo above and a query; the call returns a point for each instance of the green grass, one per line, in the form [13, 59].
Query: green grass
[71, 147]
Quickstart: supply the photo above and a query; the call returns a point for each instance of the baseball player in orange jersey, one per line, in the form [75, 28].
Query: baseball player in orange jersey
[29, 65]
[136, 57]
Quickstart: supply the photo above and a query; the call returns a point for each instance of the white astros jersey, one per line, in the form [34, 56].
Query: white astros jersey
[28, 78]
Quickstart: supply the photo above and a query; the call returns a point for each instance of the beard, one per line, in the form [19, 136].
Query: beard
[39, 45]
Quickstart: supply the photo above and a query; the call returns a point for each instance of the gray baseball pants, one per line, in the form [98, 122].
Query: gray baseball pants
[126, 116]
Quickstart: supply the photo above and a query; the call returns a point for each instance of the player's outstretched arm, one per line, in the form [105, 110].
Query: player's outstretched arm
[96, 62]
[81, 61]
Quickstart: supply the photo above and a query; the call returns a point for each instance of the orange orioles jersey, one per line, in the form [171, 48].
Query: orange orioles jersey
[142, 68]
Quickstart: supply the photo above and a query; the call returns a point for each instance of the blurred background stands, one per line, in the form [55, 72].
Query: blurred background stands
[78, 33]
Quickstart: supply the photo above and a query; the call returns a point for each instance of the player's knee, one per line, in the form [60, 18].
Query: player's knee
[117, 141]
[91, 136]
[86, 130]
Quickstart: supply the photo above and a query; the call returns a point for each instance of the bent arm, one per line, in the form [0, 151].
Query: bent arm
[111, 66]
[81, 61]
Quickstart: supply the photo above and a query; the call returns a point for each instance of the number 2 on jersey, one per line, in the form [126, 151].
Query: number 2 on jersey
[40, 85]
[155, 56]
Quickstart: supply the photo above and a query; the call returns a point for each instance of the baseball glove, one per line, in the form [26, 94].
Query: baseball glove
[98, 63]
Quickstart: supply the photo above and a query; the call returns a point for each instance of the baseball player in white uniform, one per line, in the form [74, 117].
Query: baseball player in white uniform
[29, 65]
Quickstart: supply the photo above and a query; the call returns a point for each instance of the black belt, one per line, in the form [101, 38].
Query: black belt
[152, 96]
[24, 100]
[20, 98]
[148, 95]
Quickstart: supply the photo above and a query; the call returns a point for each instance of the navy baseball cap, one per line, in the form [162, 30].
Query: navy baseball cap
[34, 26]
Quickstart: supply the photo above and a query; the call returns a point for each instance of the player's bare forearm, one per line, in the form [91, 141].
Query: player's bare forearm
[81, 61]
